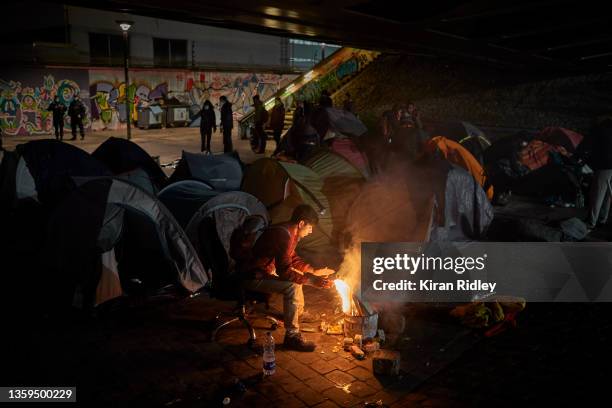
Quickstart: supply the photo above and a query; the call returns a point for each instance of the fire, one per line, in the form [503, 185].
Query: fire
[344, 291]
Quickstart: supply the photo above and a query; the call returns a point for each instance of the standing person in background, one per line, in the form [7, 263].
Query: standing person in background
[600, 196]
[348, 103]
[325, 100]
[415, 115]
[277, 120]
[207, 124]
[59, 110]
[298, 114]
[261, 117]
[227, 124]
[76, 111]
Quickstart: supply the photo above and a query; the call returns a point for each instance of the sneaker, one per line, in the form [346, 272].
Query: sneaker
[297, 342]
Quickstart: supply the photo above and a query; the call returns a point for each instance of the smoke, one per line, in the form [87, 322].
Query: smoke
[397, 205]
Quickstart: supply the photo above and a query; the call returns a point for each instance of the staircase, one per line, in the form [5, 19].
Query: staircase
[331, 74]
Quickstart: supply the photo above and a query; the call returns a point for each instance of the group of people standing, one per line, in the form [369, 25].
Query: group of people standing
[76, 112]
[208, 124]
[275, 121]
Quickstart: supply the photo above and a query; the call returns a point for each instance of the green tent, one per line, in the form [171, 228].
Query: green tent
[281, 187]
[342, 183]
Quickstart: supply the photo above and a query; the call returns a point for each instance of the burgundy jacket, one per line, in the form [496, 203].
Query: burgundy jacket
[274, 251]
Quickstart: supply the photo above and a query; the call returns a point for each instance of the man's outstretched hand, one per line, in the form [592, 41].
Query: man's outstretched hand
[324, 271]
[320, 281]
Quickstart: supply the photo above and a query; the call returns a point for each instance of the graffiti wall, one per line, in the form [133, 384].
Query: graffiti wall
[26, 94]
[107, 90]
[342, 64]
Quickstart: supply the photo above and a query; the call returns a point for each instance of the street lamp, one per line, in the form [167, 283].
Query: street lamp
[125, 27]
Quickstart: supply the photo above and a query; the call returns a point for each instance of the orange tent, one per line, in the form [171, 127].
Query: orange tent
[459, 155]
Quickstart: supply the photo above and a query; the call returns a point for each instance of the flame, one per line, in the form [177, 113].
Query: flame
[344, 291]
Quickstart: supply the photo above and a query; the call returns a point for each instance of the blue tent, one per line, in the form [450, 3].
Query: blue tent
[183, 198]
[221, 171]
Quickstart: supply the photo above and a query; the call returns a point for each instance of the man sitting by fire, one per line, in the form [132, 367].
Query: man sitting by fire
[274, 267]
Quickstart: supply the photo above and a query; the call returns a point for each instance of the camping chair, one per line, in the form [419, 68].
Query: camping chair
[229, 287]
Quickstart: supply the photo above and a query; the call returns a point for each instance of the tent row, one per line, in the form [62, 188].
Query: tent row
[111, 223]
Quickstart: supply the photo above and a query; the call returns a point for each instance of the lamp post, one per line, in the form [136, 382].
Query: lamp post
[125, 27]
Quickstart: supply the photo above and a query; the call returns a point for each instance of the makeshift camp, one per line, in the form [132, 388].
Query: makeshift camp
[183, 198]
[347, 149]
[281, 187]
[109, 238]
[342, 182]
[211, 228]
[45, 167]
[457, 154]
[464, 133]
[221, 171]
[124, 156]
[558, 136]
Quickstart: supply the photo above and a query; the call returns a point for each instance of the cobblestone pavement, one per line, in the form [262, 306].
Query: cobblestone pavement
[160, 354]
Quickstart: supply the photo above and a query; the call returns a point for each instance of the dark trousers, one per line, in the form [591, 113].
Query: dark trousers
[74, 122]
[277, 136]
[260, 138]
[205, 134]
[227, 140]
[59, 129]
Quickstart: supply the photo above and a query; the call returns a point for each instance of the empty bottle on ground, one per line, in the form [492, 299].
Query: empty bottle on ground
[269, 360]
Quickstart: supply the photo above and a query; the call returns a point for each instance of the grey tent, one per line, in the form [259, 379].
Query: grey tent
[140, 178]
[45, 167]
[435, 200]
[211, 227]
[108, 237]
[183, 198]
[222, 171]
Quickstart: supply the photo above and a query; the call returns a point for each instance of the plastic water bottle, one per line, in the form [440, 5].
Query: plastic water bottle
[269, 360]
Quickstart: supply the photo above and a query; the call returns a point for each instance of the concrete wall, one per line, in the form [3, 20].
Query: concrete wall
[477, 94]
[210, 45]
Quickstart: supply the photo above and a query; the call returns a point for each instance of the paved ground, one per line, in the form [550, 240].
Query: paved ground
[159, 353]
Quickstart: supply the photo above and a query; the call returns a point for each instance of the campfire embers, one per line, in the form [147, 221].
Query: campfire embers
[358, 317]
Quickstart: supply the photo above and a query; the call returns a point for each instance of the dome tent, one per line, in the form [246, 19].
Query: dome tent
[282, 186]
[342, 182]
[124, 156]
[467, 135]
[457, 154]
[211, 227]
[183, 198]
[109, 233]
[221, 171]
[44, 169]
